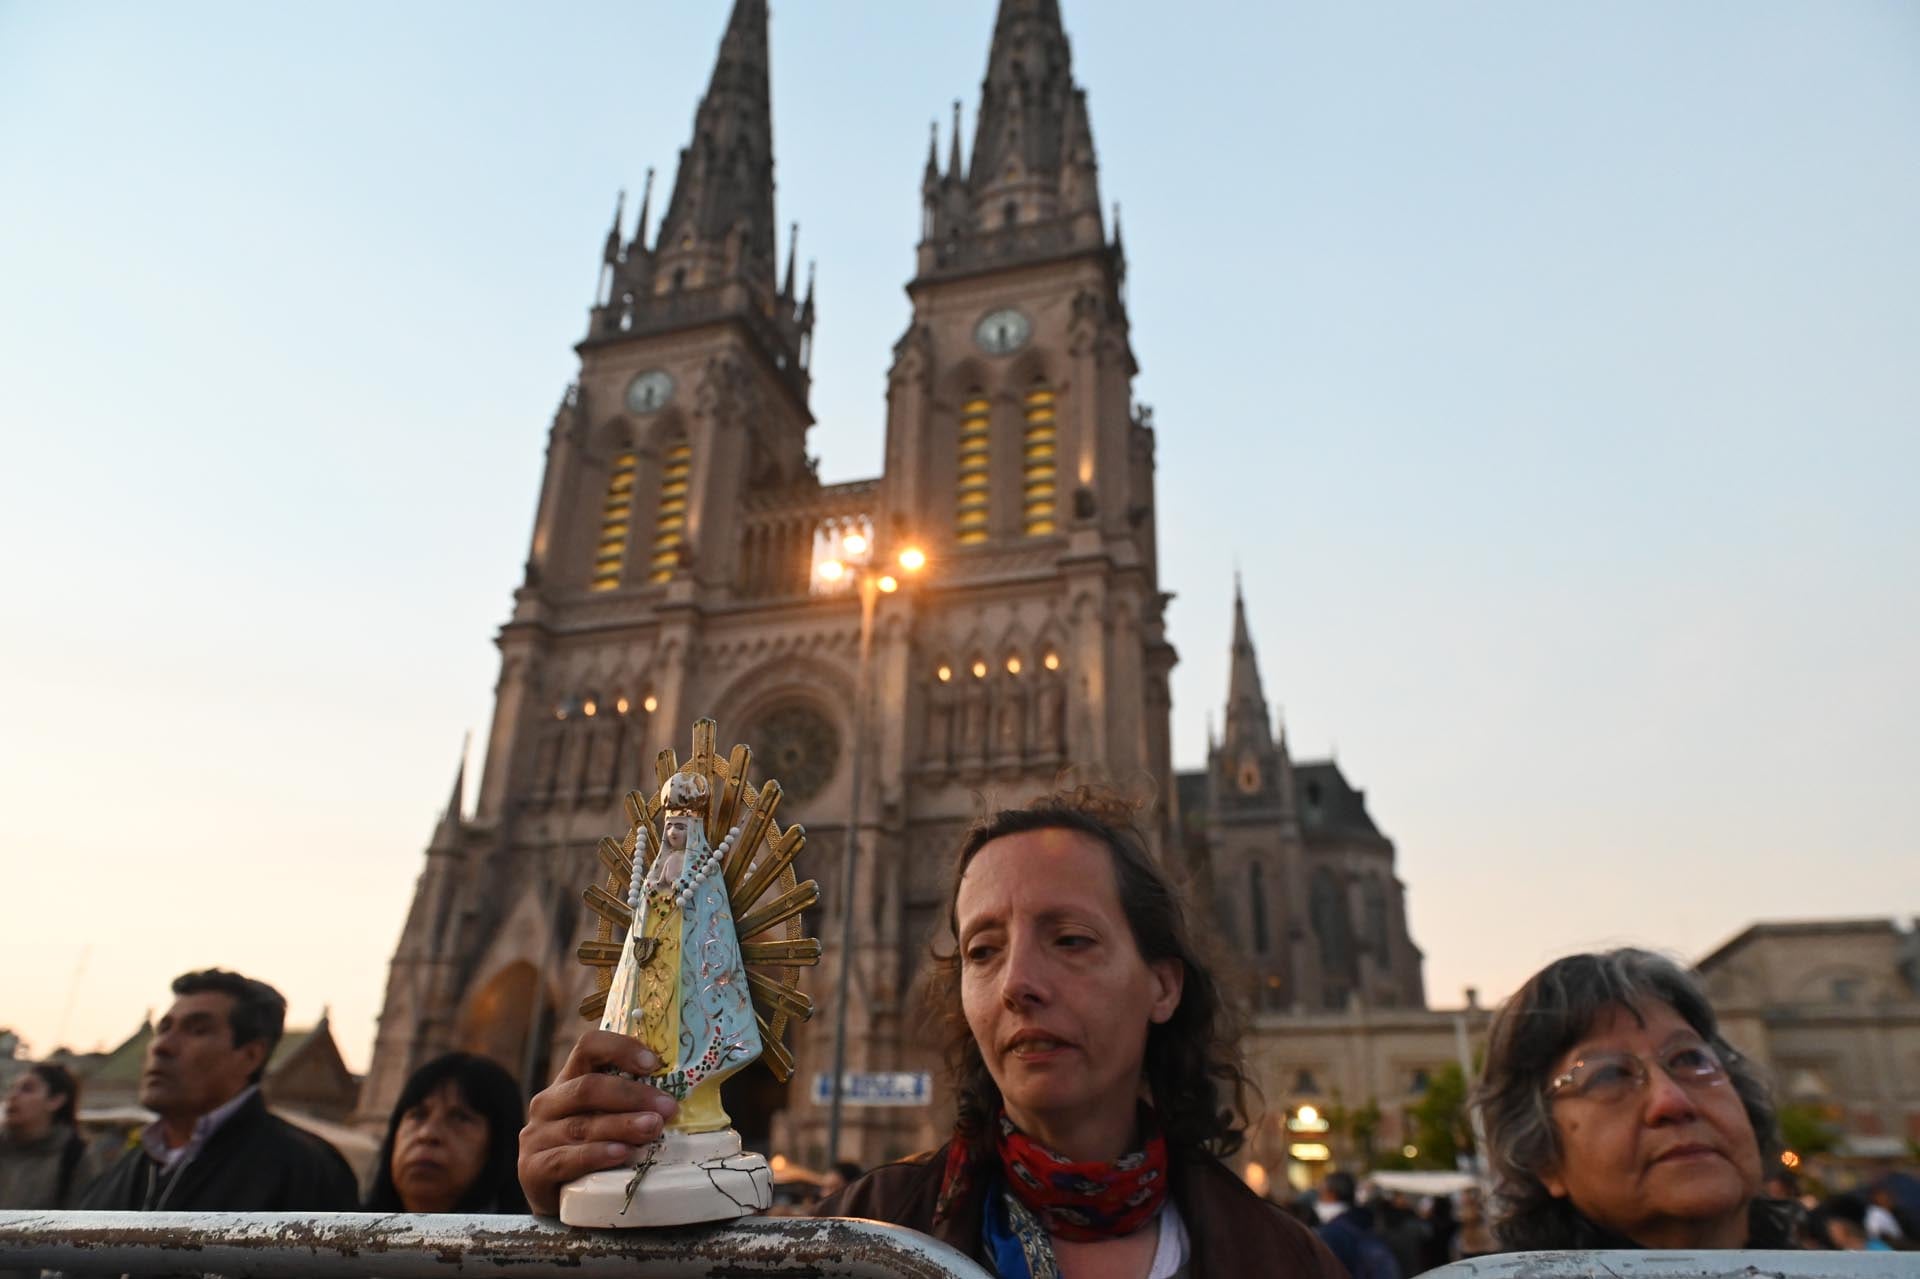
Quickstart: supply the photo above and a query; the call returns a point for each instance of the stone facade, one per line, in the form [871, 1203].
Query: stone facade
[675, 571]
[1832, 1009]
[1331, 1060]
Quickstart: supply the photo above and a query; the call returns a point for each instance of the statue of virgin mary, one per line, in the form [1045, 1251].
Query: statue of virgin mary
[680, 986]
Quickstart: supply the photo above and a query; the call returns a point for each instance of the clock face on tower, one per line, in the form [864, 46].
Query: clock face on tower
[1002, 332]
[650, 391]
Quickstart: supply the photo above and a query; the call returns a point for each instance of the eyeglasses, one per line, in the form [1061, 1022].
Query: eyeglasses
[1611, 1077]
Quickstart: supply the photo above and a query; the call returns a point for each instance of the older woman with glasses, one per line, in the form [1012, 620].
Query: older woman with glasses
[1617, 1117]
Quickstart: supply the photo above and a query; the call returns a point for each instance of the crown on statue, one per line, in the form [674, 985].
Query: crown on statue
[686, 791]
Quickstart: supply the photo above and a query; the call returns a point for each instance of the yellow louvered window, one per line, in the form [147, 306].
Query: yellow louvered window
[970, 514]
[670, 524]
[610, 552]
[1037, 468]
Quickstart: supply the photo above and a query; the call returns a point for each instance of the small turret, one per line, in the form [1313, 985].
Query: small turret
[611, 255]
[446, 836]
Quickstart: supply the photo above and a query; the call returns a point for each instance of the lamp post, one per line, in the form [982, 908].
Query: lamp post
[552, 885]
[872, 583]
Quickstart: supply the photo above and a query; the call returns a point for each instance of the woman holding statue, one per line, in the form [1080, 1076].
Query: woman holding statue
[1096, 1079]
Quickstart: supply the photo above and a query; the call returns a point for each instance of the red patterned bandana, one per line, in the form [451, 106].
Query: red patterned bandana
[1085, 1201]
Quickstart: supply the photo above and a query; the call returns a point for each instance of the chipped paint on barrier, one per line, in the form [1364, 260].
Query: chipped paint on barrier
[336, 1246]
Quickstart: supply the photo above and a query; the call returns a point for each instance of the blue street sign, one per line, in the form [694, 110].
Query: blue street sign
[875, 1088]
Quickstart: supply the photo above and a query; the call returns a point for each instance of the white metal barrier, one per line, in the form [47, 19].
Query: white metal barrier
[288, 1245]
[1737, 1264]
[398, 1246]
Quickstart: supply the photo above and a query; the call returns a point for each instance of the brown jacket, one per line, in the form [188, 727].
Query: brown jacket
[1231, 1230]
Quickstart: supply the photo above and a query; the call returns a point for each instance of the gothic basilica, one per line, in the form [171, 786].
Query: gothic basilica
[686, 561]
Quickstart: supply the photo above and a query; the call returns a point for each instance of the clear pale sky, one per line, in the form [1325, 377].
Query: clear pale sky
[1552, 372]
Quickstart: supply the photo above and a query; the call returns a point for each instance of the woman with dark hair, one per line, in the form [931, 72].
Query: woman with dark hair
[1617, 1117]
[1095, 1069]
[44, 1163]
[452, 1141]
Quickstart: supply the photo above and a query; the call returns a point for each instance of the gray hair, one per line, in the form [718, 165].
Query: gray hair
[1534, 1029]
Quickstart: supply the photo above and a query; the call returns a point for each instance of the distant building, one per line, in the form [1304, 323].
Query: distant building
[111, 1081]
[1332, 1062]
[1832, 1009]
[306, 1074]
[1301, 881]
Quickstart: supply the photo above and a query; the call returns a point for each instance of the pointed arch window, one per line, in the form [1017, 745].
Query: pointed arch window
[610, 554]
[1257, 898]
[970, 514]
[1037, 466]
[670, 522]
[1374, 901]
[1333, 928]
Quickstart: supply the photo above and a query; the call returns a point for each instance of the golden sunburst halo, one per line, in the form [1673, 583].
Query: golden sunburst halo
[766, 895]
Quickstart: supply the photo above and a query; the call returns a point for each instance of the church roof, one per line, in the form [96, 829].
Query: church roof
[123, 1064]
[1329, 805]
[1797, 928]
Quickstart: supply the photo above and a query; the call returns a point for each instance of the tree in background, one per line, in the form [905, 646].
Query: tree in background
[1358, 1126]
[1807, 1129]
[1442, 1127]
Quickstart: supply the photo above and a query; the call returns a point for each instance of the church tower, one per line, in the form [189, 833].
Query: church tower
[1253, 828]
[1301, 880]
[690, 404]
[1016, 453]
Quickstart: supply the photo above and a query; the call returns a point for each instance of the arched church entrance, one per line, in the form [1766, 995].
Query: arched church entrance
[499, 1023]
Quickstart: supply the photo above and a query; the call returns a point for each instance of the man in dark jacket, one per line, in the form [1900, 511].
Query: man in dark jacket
[214, 1147]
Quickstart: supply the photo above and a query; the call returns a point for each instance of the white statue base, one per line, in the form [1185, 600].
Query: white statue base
[693, 1177]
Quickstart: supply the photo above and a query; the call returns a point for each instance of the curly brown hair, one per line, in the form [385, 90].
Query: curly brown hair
[1193, 1068]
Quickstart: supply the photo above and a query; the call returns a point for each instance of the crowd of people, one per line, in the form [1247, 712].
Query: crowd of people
[1099, 1092]
[213, 1145]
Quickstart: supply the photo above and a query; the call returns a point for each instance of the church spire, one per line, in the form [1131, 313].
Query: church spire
[714, 254]
[1025, 103]
[719, 224]
[1031, 188]
[611, 254]
[1248, 723]
[646, 207]
[447, 834]
[956, 168]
